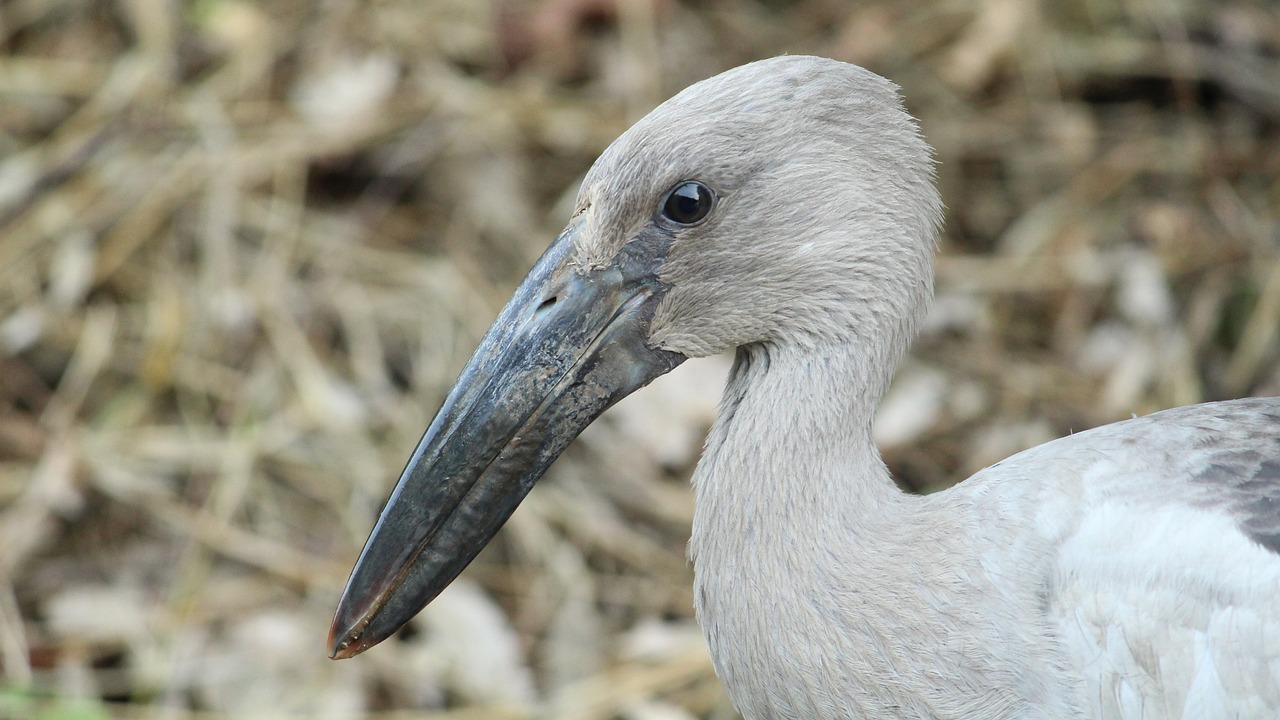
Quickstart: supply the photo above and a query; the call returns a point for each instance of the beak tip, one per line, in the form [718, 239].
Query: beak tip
[339, 653]
[341, 649]
[345, 641]
[360, 623]
[336, 646]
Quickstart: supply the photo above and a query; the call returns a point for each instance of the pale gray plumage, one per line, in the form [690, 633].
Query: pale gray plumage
[1132, 571]
[824, 591]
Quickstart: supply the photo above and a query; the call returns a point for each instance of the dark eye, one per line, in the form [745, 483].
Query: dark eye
[688, 203]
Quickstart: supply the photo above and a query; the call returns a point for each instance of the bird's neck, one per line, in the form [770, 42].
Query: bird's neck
[791, 451]
[806, 554]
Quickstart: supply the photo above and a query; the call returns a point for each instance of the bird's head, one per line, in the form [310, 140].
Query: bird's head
[789, 201]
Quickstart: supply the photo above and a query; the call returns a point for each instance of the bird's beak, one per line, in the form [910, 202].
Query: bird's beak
[569, 344]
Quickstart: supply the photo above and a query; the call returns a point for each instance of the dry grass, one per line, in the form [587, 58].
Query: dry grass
[245, 247]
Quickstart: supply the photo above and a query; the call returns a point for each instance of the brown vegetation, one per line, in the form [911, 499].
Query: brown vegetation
[244, 247]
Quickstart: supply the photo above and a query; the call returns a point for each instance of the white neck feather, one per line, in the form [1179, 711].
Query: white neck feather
[800, 538]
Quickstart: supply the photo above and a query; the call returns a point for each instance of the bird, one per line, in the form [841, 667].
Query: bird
[786, 210]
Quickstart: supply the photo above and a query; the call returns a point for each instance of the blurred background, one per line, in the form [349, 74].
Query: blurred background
[246, 246]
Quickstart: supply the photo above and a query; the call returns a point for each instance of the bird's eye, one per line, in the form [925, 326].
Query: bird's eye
[688, 203]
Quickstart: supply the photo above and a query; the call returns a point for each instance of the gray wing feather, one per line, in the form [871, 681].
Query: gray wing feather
[1237, 462]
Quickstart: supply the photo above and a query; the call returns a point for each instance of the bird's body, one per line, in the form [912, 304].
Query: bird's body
[1103, 575]
[787, 209]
